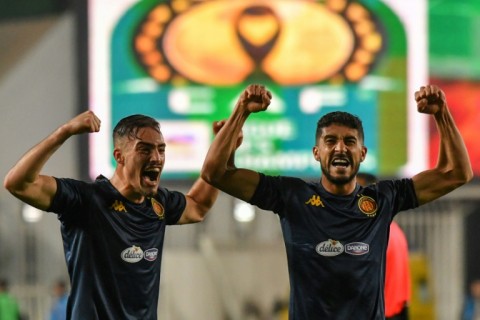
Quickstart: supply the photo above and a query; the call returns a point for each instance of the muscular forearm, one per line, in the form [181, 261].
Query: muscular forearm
[24, 180]
[220, 156]
[29, 166]
[203, 194]
[219, 168]
[453, 155]
[200, 200]
[453, 168]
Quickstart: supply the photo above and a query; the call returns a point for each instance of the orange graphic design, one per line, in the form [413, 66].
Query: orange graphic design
[226, 42]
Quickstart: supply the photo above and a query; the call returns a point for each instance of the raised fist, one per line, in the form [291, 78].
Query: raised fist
[430, 99]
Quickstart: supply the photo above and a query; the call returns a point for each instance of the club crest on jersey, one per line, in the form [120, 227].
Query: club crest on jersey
[368, 206]
[158, 209]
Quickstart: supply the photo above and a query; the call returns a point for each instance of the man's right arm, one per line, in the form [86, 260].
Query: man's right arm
[453, 167]
[219, 169]
[24, 180]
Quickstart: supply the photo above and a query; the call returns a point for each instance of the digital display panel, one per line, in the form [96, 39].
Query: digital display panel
[185, 63]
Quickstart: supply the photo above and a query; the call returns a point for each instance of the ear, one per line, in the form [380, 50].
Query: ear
[316, 154]
[117, 155]
[364, 153]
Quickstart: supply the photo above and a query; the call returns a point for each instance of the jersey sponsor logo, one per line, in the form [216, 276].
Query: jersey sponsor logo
[315, 201]
[118, 206]
[151, 254]
[135, 254]
[329, 248]
[368, 206]
[357, 248]
[132, 255]
[158, 209]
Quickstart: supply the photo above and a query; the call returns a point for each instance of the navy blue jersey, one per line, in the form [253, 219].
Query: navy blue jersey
[335, 245]
[113, 248]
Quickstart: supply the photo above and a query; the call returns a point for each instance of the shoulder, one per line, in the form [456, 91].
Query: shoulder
[399, 192]
[395, 184]
[69, 185]
[283, 180]
[390, 188]
[165, 193]
[72, 192]
[281, 188]
[171, 198]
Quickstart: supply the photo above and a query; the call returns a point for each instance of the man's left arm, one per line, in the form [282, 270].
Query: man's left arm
[453, 167]
[200, 199]
[202, 195]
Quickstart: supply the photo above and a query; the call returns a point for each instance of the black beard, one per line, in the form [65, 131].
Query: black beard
[338, 181]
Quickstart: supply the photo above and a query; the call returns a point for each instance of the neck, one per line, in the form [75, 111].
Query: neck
[338, 189]
[126, 189]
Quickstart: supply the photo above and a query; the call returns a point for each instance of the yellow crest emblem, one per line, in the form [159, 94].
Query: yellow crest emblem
[368, 206]
[158, 209]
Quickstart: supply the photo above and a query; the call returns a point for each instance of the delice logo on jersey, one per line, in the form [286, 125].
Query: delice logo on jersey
[329, 248]
[132, 254]
[135, 254]
[368, 206]
[158, 209]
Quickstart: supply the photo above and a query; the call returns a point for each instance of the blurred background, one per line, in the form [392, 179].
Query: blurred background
[185, 63]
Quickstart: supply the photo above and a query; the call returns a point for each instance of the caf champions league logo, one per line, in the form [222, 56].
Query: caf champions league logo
[292, 42]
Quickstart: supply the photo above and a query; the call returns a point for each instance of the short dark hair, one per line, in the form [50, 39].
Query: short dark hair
[341, 118]
[128, 126]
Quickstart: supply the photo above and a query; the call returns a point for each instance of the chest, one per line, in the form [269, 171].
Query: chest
[359, 219]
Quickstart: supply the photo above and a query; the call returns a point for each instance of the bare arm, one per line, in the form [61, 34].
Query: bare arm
[453, 167]
[24, 180]
[200, 199]
[219, 168]
[202, 195]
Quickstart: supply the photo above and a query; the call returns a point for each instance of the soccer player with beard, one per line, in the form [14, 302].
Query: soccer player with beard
[335, 230]
[112, 229]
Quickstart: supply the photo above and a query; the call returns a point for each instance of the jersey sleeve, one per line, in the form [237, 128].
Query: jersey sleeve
[70, 200]
[175, 203]
[401, 193]
[271, 193]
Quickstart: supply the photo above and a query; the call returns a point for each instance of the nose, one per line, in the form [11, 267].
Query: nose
[157, 155]
[340, 146]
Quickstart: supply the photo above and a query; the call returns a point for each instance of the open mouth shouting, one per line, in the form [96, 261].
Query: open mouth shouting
[151, 175]
[340, 162]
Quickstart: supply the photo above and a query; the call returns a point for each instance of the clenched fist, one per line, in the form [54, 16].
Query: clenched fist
[430, 99]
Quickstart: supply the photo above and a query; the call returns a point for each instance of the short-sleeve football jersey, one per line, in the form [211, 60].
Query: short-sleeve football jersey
[113, 248]
[335, 245]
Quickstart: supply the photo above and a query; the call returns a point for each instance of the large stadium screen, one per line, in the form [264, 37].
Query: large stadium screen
[186, 62]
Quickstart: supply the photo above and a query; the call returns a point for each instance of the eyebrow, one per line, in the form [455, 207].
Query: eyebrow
[148, 144]
[336, 136]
